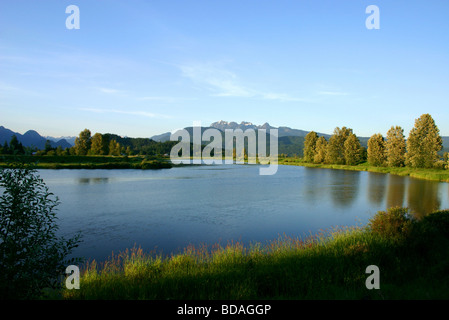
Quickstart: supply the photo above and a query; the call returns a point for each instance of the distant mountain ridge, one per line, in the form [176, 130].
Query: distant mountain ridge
[69, 139]
[31, 138]
[223, 125]
[291, 141]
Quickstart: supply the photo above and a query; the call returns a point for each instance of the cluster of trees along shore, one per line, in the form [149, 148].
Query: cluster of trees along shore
[420, 150]
[98, 144]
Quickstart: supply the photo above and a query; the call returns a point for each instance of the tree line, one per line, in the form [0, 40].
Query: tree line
[97, 144]
[420, 150]
[111, 144]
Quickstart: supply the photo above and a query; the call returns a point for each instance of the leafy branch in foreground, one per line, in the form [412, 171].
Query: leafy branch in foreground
[32, 257]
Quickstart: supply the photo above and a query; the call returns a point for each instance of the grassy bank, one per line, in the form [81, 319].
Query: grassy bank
[428, 174]
[413, 258]
[87, 162]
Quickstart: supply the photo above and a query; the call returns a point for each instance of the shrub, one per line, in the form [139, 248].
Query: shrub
[31, 256]
[395, 223]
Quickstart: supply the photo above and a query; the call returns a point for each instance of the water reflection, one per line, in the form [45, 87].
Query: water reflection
[344, 187]
[376, 188]
[92, 180]
[395, 191]
[423, 197]
[313, 191]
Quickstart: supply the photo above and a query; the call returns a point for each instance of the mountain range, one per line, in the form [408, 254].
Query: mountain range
[31, 139]
[223, 125]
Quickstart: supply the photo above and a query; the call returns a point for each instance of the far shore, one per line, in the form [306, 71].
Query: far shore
[163, 162]
[419, 173]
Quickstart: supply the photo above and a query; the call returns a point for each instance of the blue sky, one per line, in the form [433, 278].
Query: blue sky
[139, 68]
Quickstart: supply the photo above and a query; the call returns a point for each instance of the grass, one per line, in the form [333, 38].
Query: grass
[412, 255]
[419, 173]
[87, 162]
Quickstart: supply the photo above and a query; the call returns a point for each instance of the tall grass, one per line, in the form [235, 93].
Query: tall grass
[413, 258]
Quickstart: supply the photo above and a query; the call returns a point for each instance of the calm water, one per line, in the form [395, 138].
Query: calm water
[165, 210]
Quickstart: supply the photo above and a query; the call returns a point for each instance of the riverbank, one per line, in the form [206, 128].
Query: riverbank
[412, 257]
[87, 162]
[427, 174]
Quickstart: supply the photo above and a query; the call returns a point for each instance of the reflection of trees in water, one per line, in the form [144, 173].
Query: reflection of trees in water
[92, 180]
[423, 197]
[313, 182]
[376, 187]
[345, 186]
[395, 191]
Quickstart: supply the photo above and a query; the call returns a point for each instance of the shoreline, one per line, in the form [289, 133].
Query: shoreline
[437, 175]
[153, 162]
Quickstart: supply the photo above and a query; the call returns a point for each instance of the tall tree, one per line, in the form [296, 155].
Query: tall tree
[376, 150]
[336, 146]
[395, 147]
[352, 150]
[423, 143]
[97, 146]
[83, 142]
[114, 148]
[310, 146]
[320, 150]
[15, 147]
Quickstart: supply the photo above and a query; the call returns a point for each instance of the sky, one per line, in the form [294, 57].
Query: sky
[140, 68]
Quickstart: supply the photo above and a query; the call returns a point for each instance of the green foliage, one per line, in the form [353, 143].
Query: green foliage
[352, 150]
[424, 143]
[376, 150]
[310, 146]
[98, 147]
[336, 146]
[395, 147]
[320, 150]
[395, 223]
[83, 143]
[32, 257]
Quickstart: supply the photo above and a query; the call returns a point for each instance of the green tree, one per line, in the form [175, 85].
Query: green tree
[32, 257]
[376, 150]
[97, 146]
[48, 146]
[5, 149]
[423, 143]
[320, 150]
[83, 143]
[395, 147]
[310, 146]
[15, 147]
[114, 148]
[336, 146]
[60, 152]
[352, 150]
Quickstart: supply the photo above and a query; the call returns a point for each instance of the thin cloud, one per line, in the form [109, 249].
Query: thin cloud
[218, 80]
[129, 112]
[224, 83]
